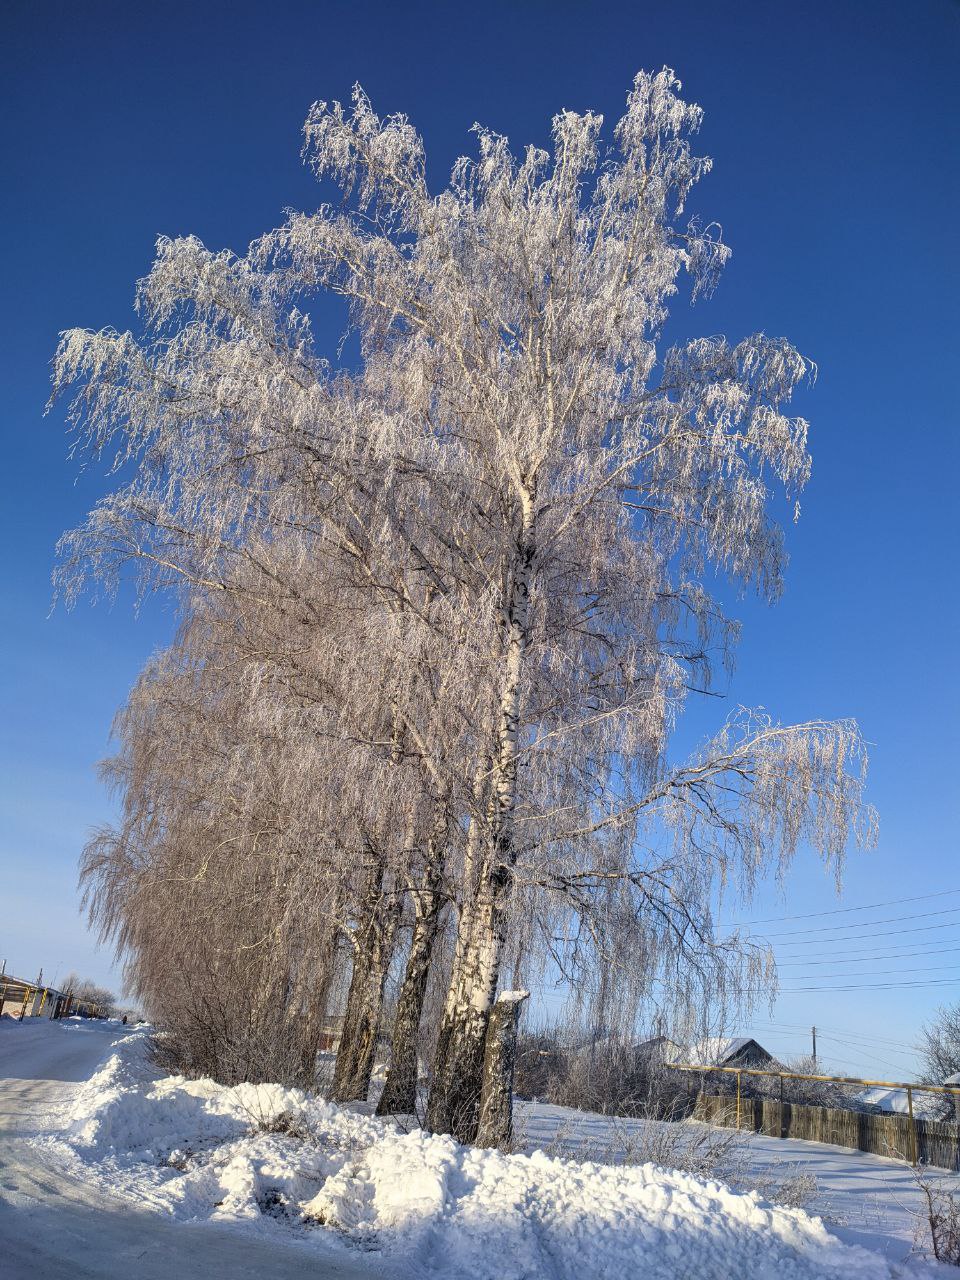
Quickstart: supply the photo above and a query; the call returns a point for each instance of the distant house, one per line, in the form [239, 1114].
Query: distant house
[727, 1051]
[926, 1106]
[20, 998]
[655, 1050]
[658, 1049]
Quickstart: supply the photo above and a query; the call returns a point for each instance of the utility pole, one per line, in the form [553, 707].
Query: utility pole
[813, 1031]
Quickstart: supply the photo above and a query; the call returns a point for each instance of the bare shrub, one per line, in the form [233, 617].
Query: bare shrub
[616, 1078]
[771, 1086]
[219, 1025]
[940, 1043]
[697, 1149]
[808, 1093]
[938, 1224]
[287, 1123]
[689, 1147]
[540, 1067]
[783, 1183]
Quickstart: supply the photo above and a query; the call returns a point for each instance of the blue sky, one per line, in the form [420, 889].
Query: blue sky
[834, 130]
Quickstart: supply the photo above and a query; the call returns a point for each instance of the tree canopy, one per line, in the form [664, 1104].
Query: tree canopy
[442, 605]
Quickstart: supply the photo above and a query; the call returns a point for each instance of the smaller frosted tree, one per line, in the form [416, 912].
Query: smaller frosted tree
[92, 992]
[940, 1045]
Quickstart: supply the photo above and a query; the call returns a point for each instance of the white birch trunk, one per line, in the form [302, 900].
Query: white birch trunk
[399, 1095]
[454, 1105]
[374, 951]
[496, 1103]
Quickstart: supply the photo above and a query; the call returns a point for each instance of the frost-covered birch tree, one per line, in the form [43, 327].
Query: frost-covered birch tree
[524, 498]
[258, 854]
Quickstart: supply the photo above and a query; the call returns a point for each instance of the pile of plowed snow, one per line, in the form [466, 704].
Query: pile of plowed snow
[281, 1159]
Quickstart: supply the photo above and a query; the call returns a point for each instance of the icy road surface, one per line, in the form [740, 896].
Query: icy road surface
[56, 1226]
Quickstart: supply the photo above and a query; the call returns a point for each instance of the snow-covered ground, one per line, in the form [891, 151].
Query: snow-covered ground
[864, 1199]
[304, 1183]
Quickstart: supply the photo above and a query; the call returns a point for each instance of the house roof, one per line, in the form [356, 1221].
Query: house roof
[954, 1079]
[15, 987]
[715, 1051]
[662, 1044]
[895, 1100]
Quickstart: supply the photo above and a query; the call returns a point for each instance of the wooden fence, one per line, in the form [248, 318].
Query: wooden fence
[904, 1137]
[888, 1134]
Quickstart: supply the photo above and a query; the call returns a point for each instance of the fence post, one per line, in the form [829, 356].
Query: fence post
[913, 1126]
[738, 1099]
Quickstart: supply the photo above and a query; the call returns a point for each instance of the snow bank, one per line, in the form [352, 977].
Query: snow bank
[278, 1159]
[131, 1111]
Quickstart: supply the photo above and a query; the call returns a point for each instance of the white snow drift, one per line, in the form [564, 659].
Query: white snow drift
[278, 1159]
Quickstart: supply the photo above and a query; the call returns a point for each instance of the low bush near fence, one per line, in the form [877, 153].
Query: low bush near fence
[610, 1077]
[939, 1226]
[937, 1143]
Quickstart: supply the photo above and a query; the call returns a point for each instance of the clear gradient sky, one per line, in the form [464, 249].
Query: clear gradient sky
[834, 126]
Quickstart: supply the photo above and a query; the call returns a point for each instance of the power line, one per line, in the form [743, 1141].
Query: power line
[859, 924]
[864, 1036]
[876, 953]
[872, 1042]
[781, 1028]
[833, 1056]
[906, 1054]
[853, 1041]
[880, 986]
[875, 973]
[792, 1036]
[855, 1067]
[865, 1051]
[885, 933]
[802, 947]
[871, 906]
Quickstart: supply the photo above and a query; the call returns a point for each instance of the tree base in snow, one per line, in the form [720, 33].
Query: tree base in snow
[496, 1100]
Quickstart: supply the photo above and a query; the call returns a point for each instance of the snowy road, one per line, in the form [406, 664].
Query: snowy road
[56, 1226]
